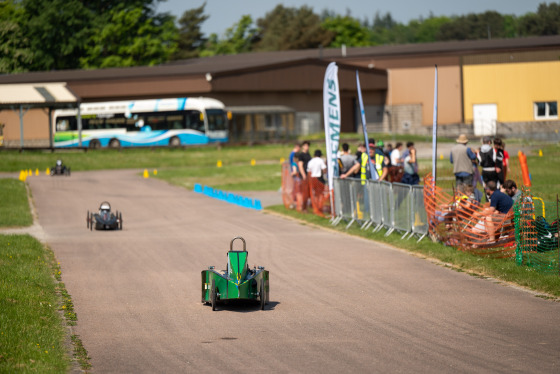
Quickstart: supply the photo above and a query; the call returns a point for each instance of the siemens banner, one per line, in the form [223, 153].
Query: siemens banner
[331, 114]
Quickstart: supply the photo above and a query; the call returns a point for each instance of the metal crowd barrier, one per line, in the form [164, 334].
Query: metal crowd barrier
[393, 206]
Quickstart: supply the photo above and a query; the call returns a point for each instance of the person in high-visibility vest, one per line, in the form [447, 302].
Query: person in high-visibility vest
[381, 161]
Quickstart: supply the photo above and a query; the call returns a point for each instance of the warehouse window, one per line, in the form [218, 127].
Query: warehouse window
[546, 110]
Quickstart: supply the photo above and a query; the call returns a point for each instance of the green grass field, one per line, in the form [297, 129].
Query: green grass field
[14, 208]
[32, 336]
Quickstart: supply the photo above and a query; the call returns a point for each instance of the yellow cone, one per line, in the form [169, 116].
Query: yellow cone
[155, 171]
[540, 152]
[22, 176]
[253, 162]
[219, 163]
[441, 156]
[30, 173]
[48, 171]
[146, 174]
[418, 220]
[36, 171]
[282, 159]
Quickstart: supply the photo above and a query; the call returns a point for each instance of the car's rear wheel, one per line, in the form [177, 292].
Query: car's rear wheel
[262, 294]
[120, 221]
[87, 219]
[213, 295]
[91, 222]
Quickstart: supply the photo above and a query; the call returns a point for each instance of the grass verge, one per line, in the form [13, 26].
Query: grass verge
[34, 307]
[502, 269]
[14, 206]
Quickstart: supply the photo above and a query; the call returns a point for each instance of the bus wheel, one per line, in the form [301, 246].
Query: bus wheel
[94, 144]
[174, 141]
[114, 143]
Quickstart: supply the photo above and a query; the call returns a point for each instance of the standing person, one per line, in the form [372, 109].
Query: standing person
[396, 155]
[348, 161]
[410, 163]
[359, 152]
[487, 161]
[462, 158]
[317, 168]
[303, 188]
[499, 160]
[294, 152]
[381, 161]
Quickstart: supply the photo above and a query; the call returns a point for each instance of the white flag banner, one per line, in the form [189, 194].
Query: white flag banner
[331, 114]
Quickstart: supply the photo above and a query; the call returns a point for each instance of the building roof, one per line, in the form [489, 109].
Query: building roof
[38, 95]
[231, 64]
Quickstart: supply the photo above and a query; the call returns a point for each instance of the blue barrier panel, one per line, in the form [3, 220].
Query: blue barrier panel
[228, 197]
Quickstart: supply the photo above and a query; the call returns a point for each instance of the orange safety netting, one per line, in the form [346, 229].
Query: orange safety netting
[301, 194]
[461, 222]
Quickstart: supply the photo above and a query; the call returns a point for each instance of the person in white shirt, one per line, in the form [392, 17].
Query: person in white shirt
[317, 168]
[396, 155]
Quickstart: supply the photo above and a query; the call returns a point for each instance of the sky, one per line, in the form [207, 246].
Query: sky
[223, 14]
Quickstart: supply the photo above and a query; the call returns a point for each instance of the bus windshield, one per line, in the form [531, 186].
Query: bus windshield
[217, 120]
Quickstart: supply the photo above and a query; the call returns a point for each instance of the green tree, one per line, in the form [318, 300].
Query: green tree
[347, 31]
[238, 39]
[426, 31]
[545, 22]
[15, 51]
[474, 26]
[191, 39]
[130, 36]
[291, 28]
[57, 31]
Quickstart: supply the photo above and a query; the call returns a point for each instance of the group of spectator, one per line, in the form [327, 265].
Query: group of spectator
[501, 193]
[389, 164]
[397, 164]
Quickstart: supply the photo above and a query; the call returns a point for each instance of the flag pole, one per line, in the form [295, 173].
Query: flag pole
[373, 172]
[434, 128]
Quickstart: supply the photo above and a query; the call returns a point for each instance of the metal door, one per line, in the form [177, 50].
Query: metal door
[484, 119]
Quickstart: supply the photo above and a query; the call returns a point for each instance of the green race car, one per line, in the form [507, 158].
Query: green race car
[238, 282]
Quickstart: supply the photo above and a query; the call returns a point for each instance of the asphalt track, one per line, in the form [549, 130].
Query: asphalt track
[338, 304]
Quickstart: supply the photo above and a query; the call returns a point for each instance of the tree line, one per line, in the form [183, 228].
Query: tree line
[44, 35]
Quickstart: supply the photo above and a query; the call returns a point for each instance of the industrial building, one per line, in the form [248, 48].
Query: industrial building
[485, 87]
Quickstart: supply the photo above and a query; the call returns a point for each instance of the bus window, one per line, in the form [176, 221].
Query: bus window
[62, 124]
[155, 122]
[175, 122]
[216, 120]
[193, 120]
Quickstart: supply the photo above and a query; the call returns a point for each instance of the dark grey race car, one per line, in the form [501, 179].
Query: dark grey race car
[105, 219]
[60, 169]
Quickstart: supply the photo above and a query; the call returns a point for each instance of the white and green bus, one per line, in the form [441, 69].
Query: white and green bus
[158, 122]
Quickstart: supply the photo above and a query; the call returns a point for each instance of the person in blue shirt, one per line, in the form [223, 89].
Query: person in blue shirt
[500, 205]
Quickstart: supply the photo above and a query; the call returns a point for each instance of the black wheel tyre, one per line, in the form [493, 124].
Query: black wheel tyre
[120, 221]
[91, 222]
[174, 142]
[114, 143]
[262, 294]
[94, 144]
[213, 295]
[87, 219]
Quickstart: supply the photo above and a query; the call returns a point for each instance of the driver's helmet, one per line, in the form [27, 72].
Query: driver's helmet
[58, 162]
[105, 207]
